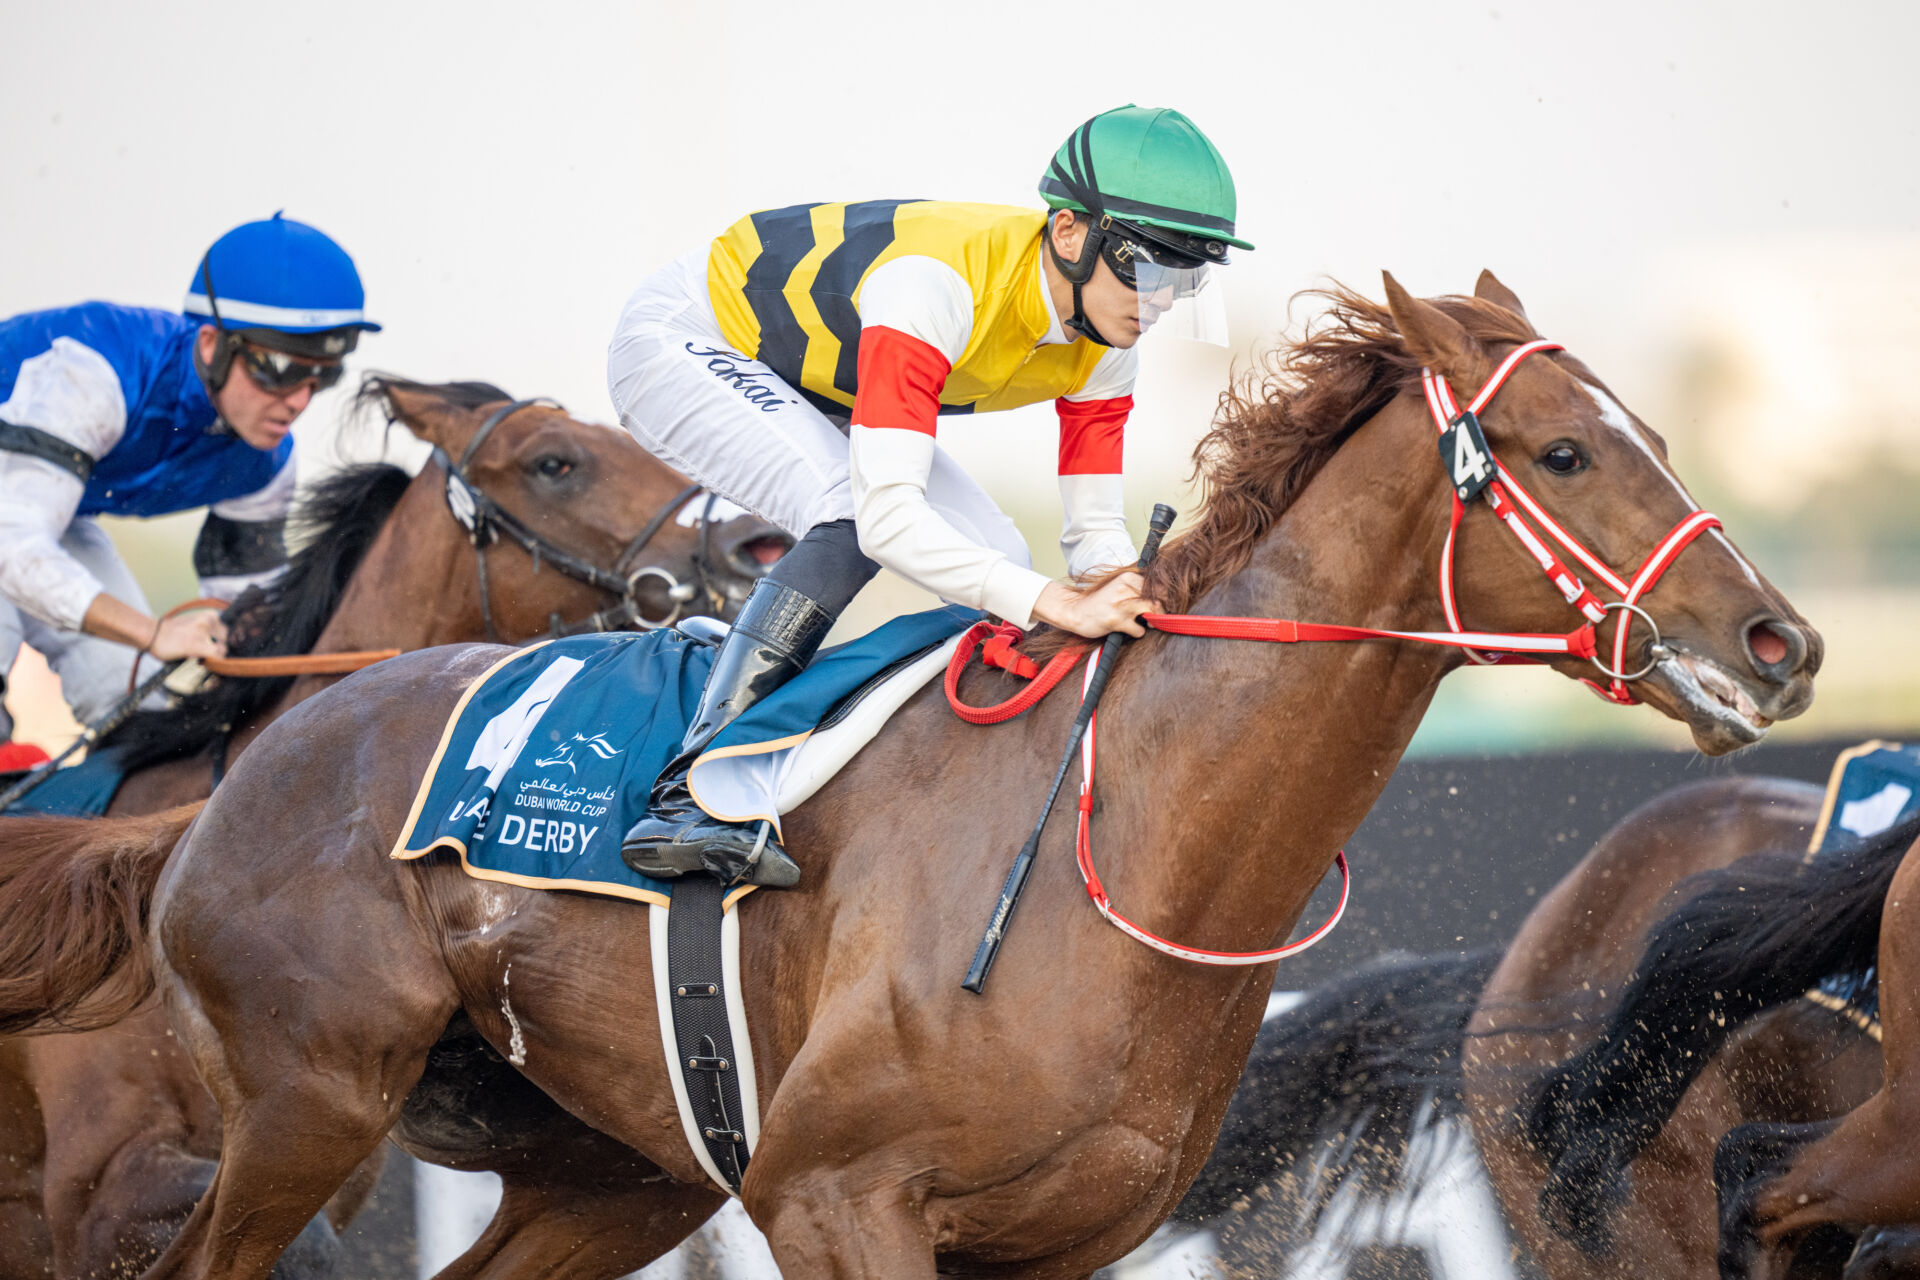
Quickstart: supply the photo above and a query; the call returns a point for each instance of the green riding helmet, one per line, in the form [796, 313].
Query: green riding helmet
[1159, 195]
[1151, 167]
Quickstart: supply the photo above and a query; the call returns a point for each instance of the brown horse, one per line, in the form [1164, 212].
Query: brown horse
[1338, 1087]
[908, 1127]
[1748, 940]
[1561, 978]
[107, 1137]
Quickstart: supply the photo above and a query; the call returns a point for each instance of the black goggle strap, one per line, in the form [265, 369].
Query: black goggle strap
[220, 367]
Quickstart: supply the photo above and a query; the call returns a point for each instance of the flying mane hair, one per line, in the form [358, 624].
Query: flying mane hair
[1278, 424]
[336, 521]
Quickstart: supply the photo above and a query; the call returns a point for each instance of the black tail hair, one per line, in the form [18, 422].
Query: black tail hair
[1338, 1085]
[1749, 937]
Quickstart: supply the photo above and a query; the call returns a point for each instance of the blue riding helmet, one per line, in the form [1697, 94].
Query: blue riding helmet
[279, 284]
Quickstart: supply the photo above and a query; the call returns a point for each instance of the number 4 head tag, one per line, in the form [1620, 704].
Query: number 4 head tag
[1463, 451]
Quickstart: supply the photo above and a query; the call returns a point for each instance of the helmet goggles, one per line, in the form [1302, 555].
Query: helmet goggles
[1176, 291]
[282, 372]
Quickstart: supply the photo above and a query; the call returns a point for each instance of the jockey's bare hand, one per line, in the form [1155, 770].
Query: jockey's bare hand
[199, 634]
[1093, 612]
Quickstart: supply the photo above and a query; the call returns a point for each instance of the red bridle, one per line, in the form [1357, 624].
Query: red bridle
[1508, 498]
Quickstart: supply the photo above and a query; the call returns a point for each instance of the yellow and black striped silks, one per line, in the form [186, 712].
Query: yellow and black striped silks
[785, 285]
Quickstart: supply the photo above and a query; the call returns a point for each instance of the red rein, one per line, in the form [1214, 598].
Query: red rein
[1505, 497]
[997, 643]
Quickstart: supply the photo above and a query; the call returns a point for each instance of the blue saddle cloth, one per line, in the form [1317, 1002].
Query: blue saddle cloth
[551, 754]
[81, 790]
[1874, 786]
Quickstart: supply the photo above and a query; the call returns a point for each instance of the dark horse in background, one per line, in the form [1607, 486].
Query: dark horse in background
[1339, 1087]
[107, 1137]
[909, 1128]
[1746, 941]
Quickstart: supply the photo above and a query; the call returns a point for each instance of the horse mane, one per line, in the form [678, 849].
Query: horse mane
[338, 518]
[1279, 424]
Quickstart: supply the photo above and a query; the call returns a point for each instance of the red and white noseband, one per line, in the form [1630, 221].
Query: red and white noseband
[1474, 471]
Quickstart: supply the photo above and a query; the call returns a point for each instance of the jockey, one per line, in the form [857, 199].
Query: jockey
[114, 410]
[798, 367]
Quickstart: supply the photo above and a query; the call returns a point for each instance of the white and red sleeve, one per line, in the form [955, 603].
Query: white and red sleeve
[916, 317]
[1093, 423]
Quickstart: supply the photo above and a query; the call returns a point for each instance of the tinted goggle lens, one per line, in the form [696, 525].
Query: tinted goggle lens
[279, 371]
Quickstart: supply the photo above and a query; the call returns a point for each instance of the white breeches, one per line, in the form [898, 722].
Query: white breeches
[738, 428]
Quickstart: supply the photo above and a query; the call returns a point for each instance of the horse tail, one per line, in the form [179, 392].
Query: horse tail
[1338, 1085]
[1748, 938]
[74, 896]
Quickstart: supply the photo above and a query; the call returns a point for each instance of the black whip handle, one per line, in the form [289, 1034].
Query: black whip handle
[116, 715]
[983, 955]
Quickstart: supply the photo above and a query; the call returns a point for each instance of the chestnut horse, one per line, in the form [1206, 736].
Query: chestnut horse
[1338, 1087]
[1748, 940]
[107, 1137]
[908, 1127]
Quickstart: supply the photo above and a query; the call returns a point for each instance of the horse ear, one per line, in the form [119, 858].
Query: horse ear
[1431, 336]
[429, 417]
[1489, 289]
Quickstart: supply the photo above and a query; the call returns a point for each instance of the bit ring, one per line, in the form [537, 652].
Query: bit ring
[1655, 652]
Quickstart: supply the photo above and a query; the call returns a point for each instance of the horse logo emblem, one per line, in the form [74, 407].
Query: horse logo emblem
[564, 753]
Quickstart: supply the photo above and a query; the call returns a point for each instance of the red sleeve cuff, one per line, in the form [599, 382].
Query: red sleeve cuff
[900, 378]
[1090, 435]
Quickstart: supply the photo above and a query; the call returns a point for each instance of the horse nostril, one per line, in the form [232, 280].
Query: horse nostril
[1778, 648]
[764, 550]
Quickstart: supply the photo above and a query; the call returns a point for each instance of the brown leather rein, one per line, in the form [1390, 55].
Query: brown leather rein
[267, 668]
[298, 664]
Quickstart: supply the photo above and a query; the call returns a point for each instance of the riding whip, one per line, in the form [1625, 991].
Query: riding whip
[118, 714]
[989, 947]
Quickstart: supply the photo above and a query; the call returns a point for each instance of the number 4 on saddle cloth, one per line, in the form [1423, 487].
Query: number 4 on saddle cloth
[551, 755]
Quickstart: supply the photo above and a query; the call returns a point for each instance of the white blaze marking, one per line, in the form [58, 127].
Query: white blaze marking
[723, 510]
[1616, 417]
[1738, 559]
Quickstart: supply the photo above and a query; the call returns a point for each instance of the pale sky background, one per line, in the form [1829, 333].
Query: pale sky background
[504, 175]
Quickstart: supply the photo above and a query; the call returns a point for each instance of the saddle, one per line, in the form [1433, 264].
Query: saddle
[552, 753]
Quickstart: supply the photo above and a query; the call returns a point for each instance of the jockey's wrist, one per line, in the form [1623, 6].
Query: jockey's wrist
[116, 620]
[1012, 591]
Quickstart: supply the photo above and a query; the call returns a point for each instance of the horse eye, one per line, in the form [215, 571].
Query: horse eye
[553, 466]
[1563, 460]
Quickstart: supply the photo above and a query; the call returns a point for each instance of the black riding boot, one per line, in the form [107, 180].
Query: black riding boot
[772, 641]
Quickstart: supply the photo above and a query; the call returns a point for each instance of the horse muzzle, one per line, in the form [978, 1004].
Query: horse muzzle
[1727, 709]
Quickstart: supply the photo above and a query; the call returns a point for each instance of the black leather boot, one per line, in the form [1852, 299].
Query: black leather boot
[776, 635]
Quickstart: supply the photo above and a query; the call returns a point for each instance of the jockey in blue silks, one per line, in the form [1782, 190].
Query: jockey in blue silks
[128, 411]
